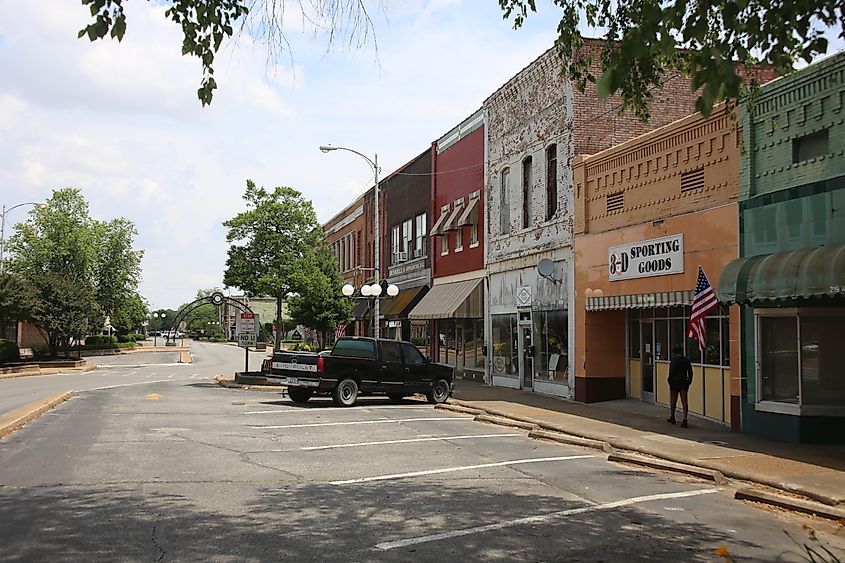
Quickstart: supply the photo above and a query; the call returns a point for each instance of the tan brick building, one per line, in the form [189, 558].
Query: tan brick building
[648, 213]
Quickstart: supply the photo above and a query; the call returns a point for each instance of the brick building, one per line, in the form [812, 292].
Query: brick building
[789, 283]
[648, 213]
[350, 235]
[455, 303]
[535, 125]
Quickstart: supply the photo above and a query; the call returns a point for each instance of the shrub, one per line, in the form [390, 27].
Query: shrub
[9, 351]
[138, 336]
[301, 347]
[123, 338]
[99, 339]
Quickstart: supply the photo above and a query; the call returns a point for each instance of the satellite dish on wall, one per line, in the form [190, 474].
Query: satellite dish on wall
[546, 269]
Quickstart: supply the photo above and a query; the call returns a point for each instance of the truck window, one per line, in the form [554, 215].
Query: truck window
[412, 355]
[390, 352]
[354, 348]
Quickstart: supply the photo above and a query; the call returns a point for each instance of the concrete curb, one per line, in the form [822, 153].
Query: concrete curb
[230, 384]
[571, 440]
[459, 409]
[504, 421]
[35, 371]
[799, 505]
[708, 474]
[622, 444]
[20, 417]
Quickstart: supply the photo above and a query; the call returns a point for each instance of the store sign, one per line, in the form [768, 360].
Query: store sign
[647, 258]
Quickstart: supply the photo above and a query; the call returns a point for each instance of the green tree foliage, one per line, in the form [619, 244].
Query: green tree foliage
[715, 42]
[321, 305]
[272, 244]
[17, 299]
[159, 323]
[79, 269]
[206, 24]
[205, 318]
[130, 314]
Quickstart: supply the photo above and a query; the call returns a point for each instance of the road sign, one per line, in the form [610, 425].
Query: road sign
[246, 339]
[246, 322]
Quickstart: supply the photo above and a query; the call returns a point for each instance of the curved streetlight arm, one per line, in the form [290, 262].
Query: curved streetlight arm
[329, 148]
[3, 213]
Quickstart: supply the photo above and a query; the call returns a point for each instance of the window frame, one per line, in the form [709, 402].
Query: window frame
[504, 201]
[420, 234]
[527, 190]
[778, 407]
[551, 182]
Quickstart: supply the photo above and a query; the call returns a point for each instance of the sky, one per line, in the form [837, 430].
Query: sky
[121, 121]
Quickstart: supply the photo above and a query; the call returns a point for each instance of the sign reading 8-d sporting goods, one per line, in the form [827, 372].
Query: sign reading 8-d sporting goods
[654, 257]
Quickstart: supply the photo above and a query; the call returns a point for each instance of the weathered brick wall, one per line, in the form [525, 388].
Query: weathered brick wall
[686, 166]
[355, 224]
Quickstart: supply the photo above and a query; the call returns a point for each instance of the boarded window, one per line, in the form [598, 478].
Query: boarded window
[692, 180]
[810, 146]
[615, 202]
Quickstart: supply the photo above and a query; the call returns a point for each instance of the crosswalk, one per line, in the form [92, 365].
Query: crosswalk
[152, 374]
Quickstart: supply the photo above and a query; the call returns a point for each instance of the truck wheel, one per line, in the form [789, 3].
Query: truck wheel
[298, 395]
[396, 397]
[439, 392]
[346, 393]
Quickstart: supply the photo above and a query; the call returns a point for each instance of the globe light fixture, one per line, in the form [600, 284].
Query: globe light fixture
[347, 290]
[392, 290]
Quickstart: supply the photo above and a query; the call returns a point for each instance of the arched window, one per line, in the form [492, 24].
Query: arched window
[526, 192]
[551, 182]
[504, 202]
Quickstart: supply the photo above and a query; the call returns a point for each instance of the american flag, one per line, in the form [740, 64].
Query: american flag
[340, 331]
[703, 302]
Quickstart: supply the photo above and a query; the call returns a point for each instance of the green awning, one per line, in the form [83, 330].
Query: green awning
[782, 276]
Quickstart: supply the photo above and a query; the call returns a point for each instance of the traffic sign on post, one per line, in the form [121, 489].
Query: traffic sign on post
[247, 322]
[246, 339]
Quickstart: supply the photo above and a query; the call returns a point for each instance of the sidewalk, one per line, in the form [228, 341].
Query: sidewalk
[816, 472]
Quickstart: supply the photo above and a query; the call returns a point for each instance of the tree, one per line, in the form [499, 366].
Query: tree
[715, 42]
[321, 305]
[272, 245]
[17, 300]
[130, 314]
[79, 269]
[206, 317]
[206, 23]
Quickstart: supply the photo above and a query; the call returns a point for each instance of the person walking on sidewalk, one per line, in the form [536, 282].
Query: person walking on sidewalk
[680, 379]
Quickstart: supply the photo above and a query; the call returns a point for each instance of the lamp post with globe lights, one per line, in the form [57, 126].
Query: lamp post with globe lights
[161, 316]
[3, 227]
[372, 291]
[374, 165]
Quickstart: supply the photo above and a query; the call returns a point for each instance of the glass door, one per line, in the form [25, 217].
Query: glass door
[647, 360]
[526, 357]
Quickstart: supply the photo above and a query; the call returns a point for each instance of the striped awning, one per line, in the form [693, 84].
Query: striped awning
[455, 300]
[639, 300]
[785, 276]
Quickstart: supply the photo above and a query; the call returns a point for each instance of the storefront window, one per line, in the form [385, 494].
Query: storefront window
[661, 340]
[479, 344]
[801, 357]
[504, 336]
[551, 350]
[634, 337]
[778, 350]
[419, 334]
[670, 330]
[447, 345]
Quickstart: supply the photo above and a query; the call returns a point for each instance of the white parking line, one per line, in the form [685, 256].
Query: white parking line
[334, 446]
[541, 518]
[379, 421]
[460, 468]
[125, 385]
[361, 408]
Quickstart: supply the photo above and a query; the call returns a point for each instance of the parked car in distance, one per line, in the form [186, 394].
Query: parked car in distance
[361, 366]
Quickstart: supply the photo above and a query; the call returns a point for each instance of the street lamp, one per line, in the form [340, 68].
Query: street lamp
[371, 291]
[374, 165]
[3, 226]
[162, 317]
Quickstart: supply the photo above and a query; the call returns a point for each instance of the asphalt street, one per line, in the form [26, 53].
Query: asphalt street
[179, 469]
[127, 370]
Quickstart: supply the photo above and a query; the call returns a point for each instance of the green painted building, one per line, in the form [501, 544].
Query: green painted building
[790, 278]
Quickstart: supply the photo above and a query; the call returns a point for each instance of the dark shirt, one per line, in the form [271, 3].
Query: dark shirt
[680, 373]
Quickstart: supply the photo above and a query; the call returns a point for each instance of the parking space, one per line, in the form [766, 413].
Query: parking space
[223, 474]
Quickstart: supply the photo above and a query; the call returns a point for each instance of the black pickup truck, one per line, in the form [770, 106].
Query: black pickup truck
[365, 366]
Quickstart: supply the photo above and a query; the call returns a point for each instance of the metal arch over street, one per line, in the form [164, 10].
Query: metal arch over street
[215, 298]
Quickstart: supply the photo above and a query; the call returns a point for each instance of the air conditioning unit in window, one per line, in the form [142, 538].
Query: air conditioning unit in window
[418, 252]
[402, 256]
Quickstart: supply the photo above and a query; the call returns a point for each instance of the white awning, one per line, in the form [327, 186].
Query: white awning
[456, 300]
[640, 300]
[451, 224]
[470, 214]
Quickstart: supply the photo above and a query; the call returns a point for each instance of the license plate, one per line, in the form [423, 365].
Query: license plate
[294, 367]
[290, 381]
